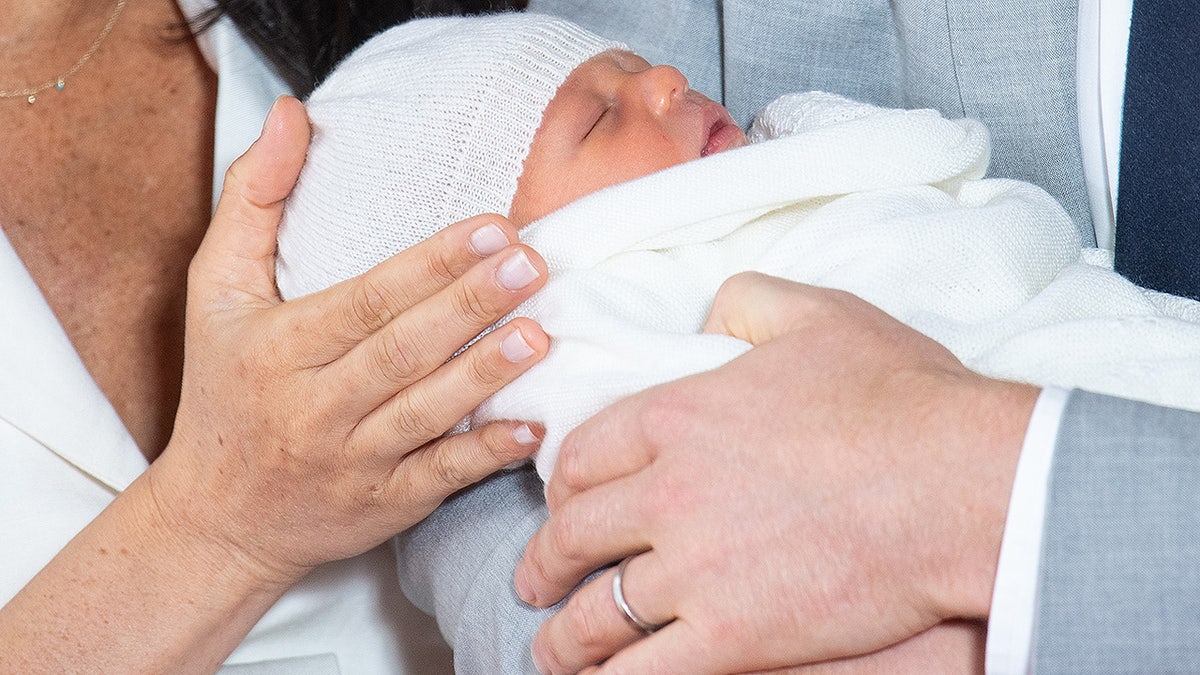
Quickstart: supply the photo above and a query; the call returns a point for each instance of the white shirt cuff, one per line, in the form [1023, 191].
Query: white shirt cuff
[1013, 617]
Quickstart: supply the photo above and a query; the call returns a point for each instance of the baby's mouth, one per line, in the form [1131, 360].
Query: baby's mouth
[723, 133]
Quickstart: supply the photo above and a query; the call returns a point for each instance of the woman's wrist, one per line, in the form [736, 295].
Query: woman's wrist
[209, 523]
[135, 594]
[216, 593]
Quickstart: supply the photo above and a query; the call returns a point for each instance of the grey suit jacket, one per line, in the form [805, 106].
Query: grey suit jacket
[1119, 589]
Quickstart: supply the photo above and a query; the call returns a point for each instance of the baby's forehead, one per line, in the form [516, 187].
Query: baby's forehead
[588, 78]
[617, 58]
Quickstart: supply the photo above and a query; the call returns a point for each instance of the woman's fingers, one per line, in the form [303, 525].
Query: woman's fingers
[585, 533]
[420, 340]
[454, 462]
[426, 409]
[591, 627]
[235, 265]
[340, 317]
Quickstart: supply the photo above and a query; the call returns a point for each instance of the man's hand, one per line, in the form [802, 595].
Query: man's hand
[953, 647]
[836, 490]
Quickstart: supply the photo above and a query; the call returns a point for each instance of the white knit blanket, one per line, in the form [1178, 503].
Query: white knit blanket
[887, 204]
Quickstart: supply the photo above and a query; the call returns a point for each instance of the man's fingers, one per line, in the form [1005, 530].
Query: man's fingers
[356, 308]
[427, 409]
[585, 533]
[591, 627]
[590, 455]
[236, 261]
[677, 648]
[417, 343]
[949, 647]
[758, 308]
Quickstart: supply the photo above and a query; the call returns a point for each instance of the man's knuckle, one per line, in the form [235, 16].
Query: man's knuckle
[535, 565]
[570, 465]
[664, 414]
[565, 533]
[734, 287]
[586, 625]
[552, 658]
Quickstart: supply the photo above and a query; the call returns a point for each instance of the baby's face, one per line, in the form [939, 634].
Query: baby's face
[616, 118]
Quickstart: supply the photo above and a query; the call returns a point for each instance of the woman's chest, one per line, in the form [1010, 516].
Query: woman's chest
[105, 201]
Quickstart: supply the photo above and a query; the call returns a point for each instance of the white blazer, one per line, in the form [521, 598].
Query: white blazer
[65, 453]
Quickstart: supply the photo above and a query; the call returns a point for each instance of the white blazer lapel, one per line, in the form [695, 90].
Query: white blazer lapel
[46, 391]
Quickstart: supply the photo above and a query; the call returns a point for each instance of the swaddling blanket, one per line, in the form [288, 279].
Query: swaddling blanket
[890, 205]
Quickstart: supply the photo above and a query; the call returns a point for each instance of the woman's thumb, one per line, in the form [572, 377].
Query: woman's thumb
[235, 264]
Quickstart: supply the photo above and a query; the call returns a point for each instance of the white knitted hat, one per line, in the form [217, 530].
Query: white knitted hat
[424, 125]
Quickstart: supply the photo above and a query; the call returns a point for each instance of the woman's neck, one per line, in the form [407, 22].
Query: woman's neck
[24, 23]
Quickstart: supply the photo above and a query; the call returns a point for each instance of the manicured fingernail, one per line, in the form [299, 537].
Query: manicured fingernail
[515, 348]
[524, 590]
[516, 272]
[487, 240]
[271, 114]
[525, 436]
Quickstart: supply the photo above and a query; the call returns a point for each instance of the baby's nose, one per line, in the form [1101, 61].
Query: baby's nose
[661, 85]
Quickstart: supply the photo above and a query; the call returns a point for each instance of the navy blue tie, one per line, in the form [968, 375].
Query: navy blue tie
[1158, 200]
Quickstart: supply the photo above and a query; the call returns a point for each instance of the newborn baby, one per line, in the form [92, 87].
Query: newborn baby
[441, 119]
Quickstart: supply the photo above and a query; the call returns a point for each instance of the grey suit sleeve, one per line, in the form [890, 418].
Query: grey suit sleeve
[458, 565]
[1120, 579]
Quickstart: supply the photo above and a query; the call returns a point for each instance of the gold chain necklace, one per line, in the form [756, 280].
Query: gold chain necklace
[60, 82]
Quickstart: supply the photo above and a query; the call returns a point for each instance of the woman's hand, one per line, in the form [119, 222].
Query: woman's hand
[837, 489]
[311, 431]
[307, 432]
